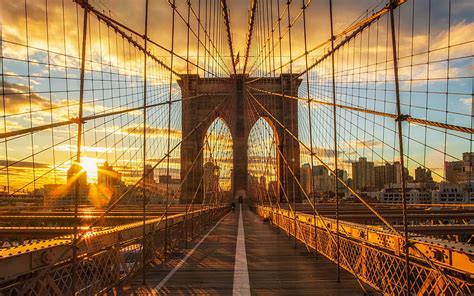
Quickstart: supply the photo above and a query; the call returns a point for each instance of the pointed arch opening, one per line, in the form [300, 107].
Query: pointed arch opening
[217, 162]
[263, 171]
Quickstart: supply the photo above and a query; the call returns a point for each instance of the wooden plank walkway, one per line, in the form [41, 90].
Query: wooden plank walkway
[275, 266]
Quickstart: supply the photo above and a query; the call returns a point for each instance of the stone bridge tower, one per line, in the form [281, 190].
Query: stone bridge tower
[226, 99]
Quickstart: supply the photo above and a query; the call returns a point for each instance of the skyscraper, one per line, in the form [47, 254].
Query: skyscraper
[319, 170]
[363, 174]
[211, 178]
[342, 174]
[323, 182]
[389, 174]
[461, 170]
[109, 183]
[306, 178]
[423, 175]
[107, 176]
[393, 173]
[149, 174]
[77, 176]
[379, 176]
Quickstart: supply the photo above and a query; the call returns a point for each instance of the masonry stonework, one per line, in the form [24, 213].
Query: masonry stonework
[227, 98]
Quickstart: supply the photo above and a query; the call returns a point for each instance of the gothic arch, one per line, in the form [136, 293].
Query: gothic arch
[207, 94]
[216, 153]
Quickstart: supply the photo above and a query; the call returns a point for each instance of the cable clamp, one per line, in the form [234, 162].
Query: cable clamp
[82, 3]
[78, 120]
[395, 3]
[402, 117]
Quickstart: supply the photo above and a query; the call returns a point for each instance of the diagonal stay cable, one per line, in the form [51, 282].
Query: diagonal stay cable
[253, 9]
[254, 116]
[159, 162]
[225, 11]
[331, 234]
[353, 192]
[116, 25]
[356, 29]
[373, 112]
[74, 242]
[90, 117]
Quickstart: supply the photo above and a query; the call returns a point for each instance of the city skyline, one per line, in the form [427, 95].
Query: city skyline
[28, 88]
[218, 147]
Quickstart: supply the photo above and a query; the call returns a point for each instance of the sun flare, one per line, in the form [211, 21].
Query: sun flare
[90, 164]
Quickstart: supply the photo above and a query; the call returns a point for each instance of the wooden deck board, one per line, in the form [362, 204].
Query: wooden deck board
[275, 266]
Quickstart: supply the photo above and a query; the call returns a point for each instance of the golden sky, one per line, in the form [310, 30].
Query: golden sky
[48, 34]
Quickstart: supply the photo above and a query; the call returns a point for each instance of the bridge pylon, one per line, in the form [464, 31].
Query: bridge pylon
[207, 95]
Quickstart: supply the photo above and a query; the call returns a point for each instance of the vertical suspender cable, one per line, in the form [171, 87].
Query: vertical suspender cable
[249, 36]
[78, 148]
[282, 140]
[399, 120]
[173, 6]
[187, 73]
[195, 107]
[292, 148]
[334, 113]
[311, 179]
[229, 36]
[144, 141]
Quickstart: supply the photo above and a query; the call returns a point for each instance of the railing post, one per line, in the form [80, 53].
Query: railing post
[400, 118]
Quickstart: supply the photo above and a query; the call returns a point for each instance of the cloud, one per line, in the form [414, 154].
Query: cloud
[9, 125]
[23, 164]
[152, 131]
[261, 159]
[468, 101]
[174, 160]
[98, 149]
[320, 151]
[368, 143]
[18, 99]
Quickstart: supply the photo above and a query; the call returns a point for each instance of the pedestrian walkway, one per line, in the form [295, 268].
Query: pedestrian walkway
[242, 258]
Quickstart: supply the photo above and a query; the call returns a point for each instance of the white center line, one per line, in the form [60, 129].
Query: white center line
[241, 272]
[185, 258]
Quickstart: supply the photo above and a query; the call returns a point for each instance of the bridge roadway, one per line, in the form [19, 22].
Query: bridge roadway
[422, 214]
[263, 262]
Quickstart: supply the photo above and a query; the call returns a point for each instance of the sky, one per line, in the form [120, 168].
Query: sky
[436, 83]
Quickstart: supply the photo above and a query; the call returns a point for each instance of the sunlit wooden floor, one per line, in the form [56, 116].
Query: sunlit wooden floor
[275, 266]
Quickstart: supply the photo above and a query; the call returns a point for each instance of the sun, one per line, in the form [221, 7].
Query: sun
[89, 164]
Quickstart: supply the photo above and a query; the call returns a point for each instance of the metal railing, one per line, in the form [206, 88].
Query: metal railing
[104, 258]
[376, 256]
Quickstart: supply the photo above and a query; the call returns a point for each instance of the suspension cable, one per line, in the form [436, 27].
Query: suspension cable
[401, 117]
[225, 11]
[249, 33]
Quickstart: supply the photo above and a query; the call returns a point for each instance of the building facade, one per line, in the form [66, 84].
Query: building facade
[363, 175]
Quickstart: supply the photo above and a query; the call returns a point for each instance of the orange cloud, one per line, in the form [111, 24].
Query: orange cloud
[18, 99]
[155, 131]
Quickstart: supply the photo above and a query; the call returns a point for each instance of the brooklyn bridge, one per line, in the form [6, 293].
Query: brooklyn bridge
[223, 147]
